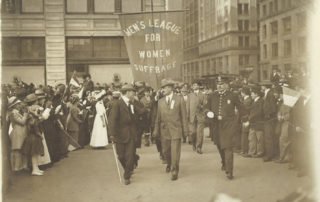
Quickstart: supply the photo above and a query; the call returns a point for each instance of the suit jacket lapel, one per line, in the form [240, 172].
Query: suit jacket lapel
[125, 105]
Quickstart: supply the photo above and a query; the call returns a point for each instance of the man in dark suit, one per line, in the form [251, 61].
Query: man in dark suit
[221, 108]
[255, 121]
[171, 123]
[270, 116]
[87, 84]
[246, 102]
[122, 129]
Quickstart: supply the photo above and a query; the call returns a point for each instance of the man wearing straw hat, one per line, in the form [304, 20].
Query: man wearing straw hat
[171, 125]
[123, 131]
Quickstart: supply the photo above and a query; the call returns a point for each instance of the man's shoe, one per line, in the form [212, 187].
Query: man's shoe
[229, 176]
[246, 155]
[199, 151]
[194, 147]
[174, 177]
[126, 181]
[168, 169]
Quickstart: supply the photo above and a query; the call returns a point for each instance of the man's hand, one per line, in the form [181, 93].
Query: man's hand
[112, 139]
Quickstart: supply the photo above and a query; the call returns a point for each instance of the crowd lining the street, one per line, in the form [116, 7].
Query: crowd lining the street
[44, 123]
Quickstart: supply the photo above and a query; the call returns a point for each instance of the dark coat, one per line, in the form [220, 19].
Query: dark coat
[73, 119]
[256, 115]
[122, 125]
[171, 120]
[224, 129]
[245, 109]
[270, 106]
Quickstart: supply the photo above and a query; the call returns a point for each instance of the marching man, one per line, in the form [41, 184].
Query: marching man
[170, 126]
[221, 109]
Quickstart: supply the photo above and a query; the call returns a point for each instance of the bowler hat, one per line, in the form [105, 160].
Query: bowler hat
[166, 82]
[127, 87]
[31, 98]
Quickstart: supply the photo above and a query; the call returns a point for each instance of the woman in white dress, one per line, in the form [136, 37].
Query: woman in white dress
[99, 135]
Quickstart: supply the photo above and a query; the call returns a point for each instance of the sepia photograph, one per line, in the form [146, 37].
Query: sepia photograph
[160, 100]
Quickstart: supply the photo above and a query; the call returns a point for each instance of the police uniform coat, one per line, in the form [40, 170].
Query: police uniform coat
[223, 104]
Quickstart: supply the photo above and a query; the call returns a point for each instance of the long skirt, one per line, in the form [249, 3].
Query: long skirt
[18, 160]
[33, 146]
[45, 158]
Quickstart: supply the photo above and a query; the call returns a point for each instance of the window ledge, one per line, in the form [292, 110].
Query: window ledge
[91, 16]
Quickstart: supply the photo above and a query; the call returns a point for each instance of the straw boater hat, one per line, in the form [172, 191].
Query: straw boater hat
[13, 101]
[40, 93]
[31, 98]
[166, 82]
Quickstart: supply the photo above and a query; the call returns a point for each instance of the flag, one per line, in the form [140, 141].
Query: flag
[80, 94]
[74, 81]
[154, 42]
[290, 97]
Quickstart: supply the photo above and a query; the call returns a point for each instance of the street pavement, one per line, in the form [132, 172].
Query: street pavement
[90, 175]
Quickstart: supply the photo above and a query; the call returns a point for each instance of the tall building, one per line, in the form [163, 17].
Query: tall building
[227, 38]
[283, 31]
[190, 67]
[45, 41]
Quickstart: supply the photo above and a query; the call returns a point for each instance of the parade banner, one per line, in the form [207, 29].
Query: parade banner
[290, 97]
[154, 45]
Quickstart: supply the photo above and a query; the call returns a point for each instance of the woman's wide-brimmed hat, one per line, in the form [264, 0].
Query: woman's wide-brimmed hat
[31, 98]
[12, 101]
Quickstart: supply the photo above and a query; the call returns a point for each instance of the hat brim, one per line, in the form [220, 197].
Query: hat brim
[32, 100]
[15, 103]
[168, 84]
[127, 89]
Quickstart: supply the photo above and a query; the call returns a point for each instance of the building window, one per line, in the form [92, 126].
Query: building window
[274, 50]
[32, 6]
[239, 9]
[93, 6]
[246, 41]
[246, 9]
[244, 60]
[77, 6]
[240, 25]
[286, 25]
[33, 48]
[274, 28]
[265, 74]
[270, 8]
[264, 31]
[226, 26]
[103, 6]
[240, 41]
[302, 45]
[265, 53]
[246, 25]
[9, 6]
[287, 48]
[10, 48]
[264, 10]
[275, 5]
[23, 48]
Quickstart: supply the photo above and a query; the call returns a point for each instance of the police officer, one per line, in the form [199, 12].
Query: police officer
[221, 108]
